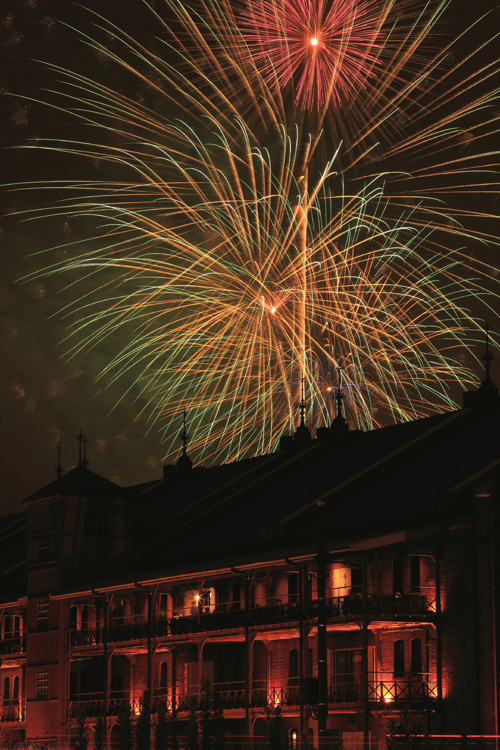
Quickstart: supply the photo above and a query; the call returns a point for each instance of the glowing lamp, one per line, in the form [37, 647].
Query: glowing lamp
[197, 598]
[388, 698]
[137, 710]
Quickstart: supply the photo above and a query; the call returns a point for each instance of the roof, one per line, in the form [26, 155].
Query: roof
[79, 482]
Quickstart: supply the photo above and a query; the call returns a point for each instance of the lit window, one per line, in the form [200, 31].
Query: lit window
[42, 684]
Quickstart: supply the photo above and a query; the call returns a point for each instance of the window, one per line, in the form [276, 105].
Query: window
[42, 614]
[85, 617]
[15, 689]
[6, 690]
[397, 576]
[356, 580]
[7, 627]
[416, 656]
[293, 668]
[399, 659]
[44, 551]
[348, 674]
[415, 575]
[293, 588]
[42, 684]
[96, 525]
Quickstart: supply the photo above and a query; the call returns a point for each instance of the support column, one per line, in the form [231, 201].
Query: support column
[322, 622]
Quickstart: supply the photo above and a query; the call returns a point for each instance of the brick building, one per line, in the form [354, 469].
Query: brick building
[346, 578]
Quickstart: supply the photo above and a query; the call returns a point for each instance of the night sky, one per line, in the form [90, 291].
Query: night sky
[44, 396]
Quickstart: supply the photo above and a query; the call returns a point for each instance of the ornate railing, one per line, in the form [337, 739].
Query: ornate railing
[399, 691]
[16, 645]
[339, 605]
[13, 713]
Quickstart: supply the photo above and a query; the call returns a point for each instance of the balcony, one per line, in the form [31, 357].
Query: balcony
[12, 712]
[383, 603]
[13, 645]
[272, 613]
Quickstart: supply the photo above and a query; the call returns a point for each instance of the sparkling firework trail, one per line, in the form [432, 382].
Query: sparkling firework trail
[257, 232]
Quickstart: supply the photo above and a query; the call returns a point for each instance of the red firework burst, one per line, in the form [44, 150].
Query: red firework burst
[326, 48]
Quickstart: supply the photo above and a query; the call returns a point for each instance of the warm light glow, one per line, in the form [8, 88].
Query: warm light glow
[137, 710]
[387, 696]
[329, 388]
[314, 41]
[197, 597]
[273, 310]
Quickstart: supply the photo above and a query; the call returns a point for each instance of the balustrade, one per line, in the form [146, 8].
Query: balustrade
[271, 612]
[16, 645]
[12, 712]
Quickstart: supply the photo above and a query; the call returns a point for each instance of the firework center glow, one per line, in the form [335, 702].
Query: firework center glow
[314, 41]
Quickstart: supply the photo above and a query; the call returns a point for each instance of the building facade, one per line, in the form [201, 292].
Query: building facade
[344, 582]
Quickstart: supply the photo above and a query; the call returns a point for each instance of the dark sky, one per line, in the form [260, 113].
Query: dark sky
[44, 396]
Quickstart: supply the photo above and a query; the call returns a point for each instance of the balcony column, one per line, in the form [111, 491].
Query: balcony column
[439, 644]
[174, 679]
[200, 645]
[366, 712]
[248, 651]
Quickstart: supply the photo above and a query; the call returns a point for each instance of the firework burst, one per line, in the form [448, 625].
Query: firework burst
[237, 249]
[326, 50]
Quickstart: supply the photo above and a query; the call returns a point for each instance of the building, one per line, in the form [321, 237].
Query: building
[339, 582]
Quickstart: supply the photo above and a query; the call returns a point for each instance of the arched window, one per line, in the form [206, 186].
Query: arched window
[416, 656]
[15, 688]
[7, 627]
[85, 617]
[6, 690]
[163, 674]
[73, 617]
[17, 626]
[293, 668]
[399, 659]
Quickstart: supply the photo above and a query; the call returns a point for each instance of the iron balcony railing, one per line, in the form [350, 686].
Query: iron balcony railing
[14, 645]
[271, 612]
[231, 696]
[12, 712]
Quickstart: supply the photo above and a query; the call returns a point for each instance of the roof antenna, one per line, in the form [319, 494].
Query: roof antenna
[339, 424]
[339, 396]
[487, 356]
[184, 462]
[85, 463]
[302, 403]
[80, 441]
[59, 468]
